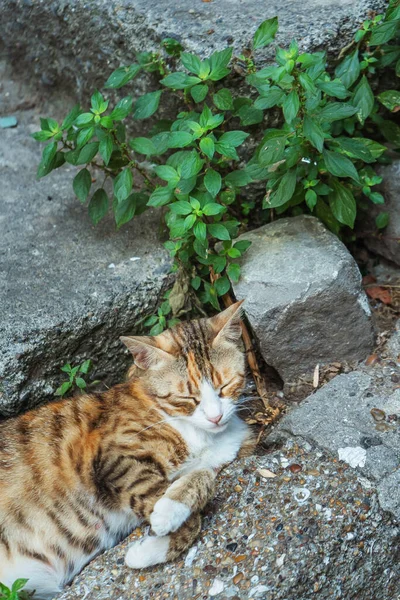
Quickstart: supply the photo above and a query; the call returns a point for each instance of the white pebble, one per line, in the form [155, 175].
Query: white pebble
[216, 588]
[190, 556]
[111, 266]
[355, 456]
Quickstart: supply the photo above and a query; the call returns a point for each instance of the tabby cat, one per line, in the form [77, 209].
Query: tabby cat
[78, 475]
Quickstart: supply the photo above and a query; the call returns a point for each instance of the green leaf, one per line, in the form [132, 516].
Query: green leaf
[84, 119]
[238, 178]
[105, 149]
[249, 115]
[42, 136]
[383, 33]
[218, 64]
[189, 222]
[168, 174]
[265, 33]
[363, 100]
[212, 208]
[284, 191]
[48, 157]
[382, 220]
[271, 98]
[191, 62]
[307, 83]
[349, 69]
[126, 209]
[179, 81]
[376, 198]
[147, 105]
[63, 389]
[99, 105]
[181, 207]
[160, 196]
[191, 165]
[291, 106]
[123, 184]
[342, 204]
[196, 282]
[122, 109]
[200, 231]
[219, 231]
[199, 92]
[172, 46]
[82, 184]
[179, 139]
[84, 136]
[98, 206]
[222, 285]
[143, 146]
[357, 148]
[223, 99]
[242, 245]
[225, 150]
[233, 138]
[81, 383]
[340, 165]
[272, 149]
[390, 99]
[233, 271]
[87, 153]
[85, 366]
[212, 181]
[335, 111]
[311, 199]
[71, 117]
[207, 146]
[122, 76]
[107, 122]
[333, 88]
[313, 133]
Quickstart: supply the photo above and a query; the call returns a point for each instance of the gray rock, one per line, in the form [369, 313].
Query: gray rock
[393, 344]
[303, 297]
[338, 418]
[77, 43]
[386, 242]
[337, 544]
[68, 290]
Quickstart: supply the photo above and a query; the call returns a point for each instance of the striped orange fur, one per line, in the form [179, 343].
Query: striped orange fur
[78, 475]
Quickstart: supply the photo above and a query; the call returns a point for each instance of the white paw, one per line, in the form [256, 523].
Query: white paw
[147, 552]
[168, 515]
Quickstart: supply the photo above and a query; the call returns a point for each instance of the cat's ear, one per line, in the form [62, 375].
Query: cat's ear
[227, 324]
[146, 352]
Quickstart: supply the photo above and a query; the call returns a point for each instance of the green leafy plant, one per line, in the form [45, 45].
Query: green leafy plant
[15, 592]
[301, 132]
[75, 378]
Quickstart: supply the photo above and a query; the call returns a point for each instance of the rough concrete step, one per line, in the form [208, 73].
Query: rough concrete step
[315, 530]
[68, 290]
[78, 42]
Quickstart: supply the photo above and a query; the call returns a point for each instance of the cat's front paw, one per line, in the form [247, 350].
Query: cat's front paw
[168, 515]
[147, 552]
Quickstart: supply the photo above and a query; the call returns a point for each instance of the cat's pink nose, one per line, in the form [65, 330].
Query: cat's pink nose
[216, 419]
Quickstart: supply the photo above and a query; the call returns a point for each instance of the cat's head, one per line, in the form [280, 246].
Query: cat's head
[195, 370]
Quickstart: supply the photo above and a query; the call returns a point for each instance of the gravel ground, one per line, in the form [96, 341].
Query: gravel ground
[315, 530]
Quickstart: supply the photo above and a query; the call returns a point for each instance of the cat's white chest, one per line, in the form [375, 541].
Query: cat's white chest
[211, 451]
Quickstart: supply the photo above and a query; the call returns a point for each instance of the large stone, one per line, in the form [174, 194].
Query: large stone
[77, 43]
[386, 242]
[356, 417]
[68, 290]
[315, 533]
[303, 297]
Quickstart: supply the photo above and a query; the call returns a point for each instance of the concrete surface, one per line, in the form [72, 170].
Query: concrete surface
[79, 42]
[68, 290]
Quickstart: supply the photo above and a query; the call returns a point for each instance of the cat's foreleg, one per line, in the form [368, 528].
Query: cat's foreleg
[187, 495]
[153, 550]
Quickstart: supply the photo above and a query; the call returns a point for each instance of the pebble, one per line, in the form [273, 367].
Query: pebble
[238, 488]
[295, 468]
[240, 558]
[232, 546]
[377, 414]
[238, 577]
[216, 588]
[266, 473]
[372, 360]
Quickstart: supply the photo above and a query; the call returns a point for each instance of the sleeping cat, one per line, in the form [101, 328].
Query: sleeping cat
[76, 476]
